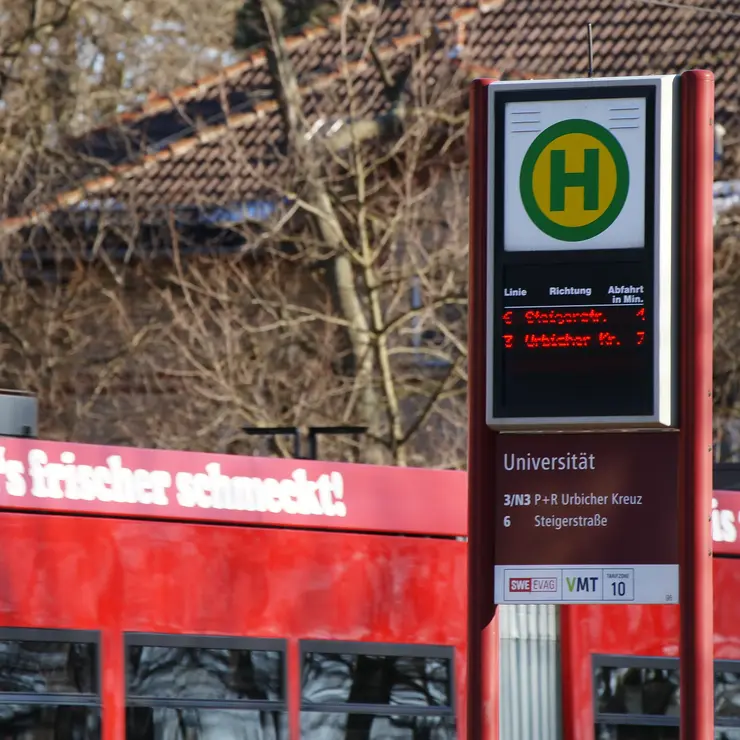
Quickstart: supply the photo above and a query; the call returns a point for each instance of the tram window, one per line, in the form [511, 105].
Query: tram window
[183, 687]
[638, 698]
[727, 692]
[636, 732]
[638, 689]
[356, 691]
[726, 733]
[49, 685]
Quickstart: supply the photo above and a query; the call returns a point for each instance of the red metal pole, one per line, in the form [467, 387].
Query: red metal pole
[482, 688]
[695, 489]
[568, 670]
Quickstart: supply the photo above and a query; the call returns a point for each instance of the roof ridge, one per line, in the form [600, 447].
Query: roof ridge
[159, 103]
[181, 146]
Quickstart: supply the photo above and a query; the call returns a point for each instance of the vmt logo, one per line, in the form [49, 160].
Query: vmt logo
[574, 180]
[579, 585]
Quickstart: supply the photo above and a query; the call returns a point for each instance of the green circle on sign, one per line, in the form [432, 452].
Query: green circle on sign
[612, 150]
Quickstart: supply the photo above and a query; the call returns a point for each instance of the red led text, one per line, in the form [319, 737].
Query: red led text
[622, 332]
[557, 340]
[552, 316]
[607, 339]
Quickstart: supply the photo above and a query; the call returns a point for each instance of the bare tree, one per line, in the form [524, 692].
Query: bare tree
[727, 336]
[345, 305]
[67, 66]
[175, 321]
[353, 307]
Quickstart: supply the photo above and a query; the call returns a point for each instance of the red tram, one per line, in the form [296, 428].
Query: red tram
[150, 595]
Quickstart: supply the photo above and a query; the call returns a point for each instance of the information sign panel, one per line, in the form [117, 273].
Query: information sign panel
[590, 291]
[586, 518]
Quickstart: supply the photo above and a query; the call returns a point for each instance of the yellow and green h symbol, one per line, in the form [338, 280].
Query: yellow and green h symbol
[587, 180]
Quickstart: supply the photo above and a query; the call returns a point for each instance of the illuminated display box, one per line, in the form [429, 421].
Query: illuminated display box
[582, 255]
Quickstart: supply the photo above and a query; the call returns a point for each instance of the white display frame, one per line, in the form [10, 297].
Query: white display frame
[665, 252]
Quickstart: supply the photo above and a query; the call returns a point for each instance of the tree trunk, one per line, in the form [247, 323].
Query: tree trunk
[341, 272]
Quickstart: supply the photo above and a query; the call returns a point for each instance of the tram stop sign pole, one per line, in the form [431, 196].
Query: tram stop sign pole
[590, 362]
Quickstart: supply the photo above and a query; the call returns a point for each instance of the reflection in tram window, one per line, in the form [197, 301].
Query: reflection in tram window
[636, 732]
[204, 673]
[629, 691]
[45, 667]
[376, 679]
[364, 691]
[726, 733]
[204, 688]
[636, 690]
[191, 723]
[323, 726]
[727, 696]
[49, 686]
[38, 722]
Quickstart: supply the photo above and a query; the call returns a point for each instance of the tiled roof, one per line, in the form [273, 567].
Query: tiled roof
[631, 37]
[230, 156]
[315, 53]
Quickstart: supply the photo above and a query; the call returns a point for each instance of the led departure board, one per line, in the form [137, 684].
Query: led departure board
[575, 340]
